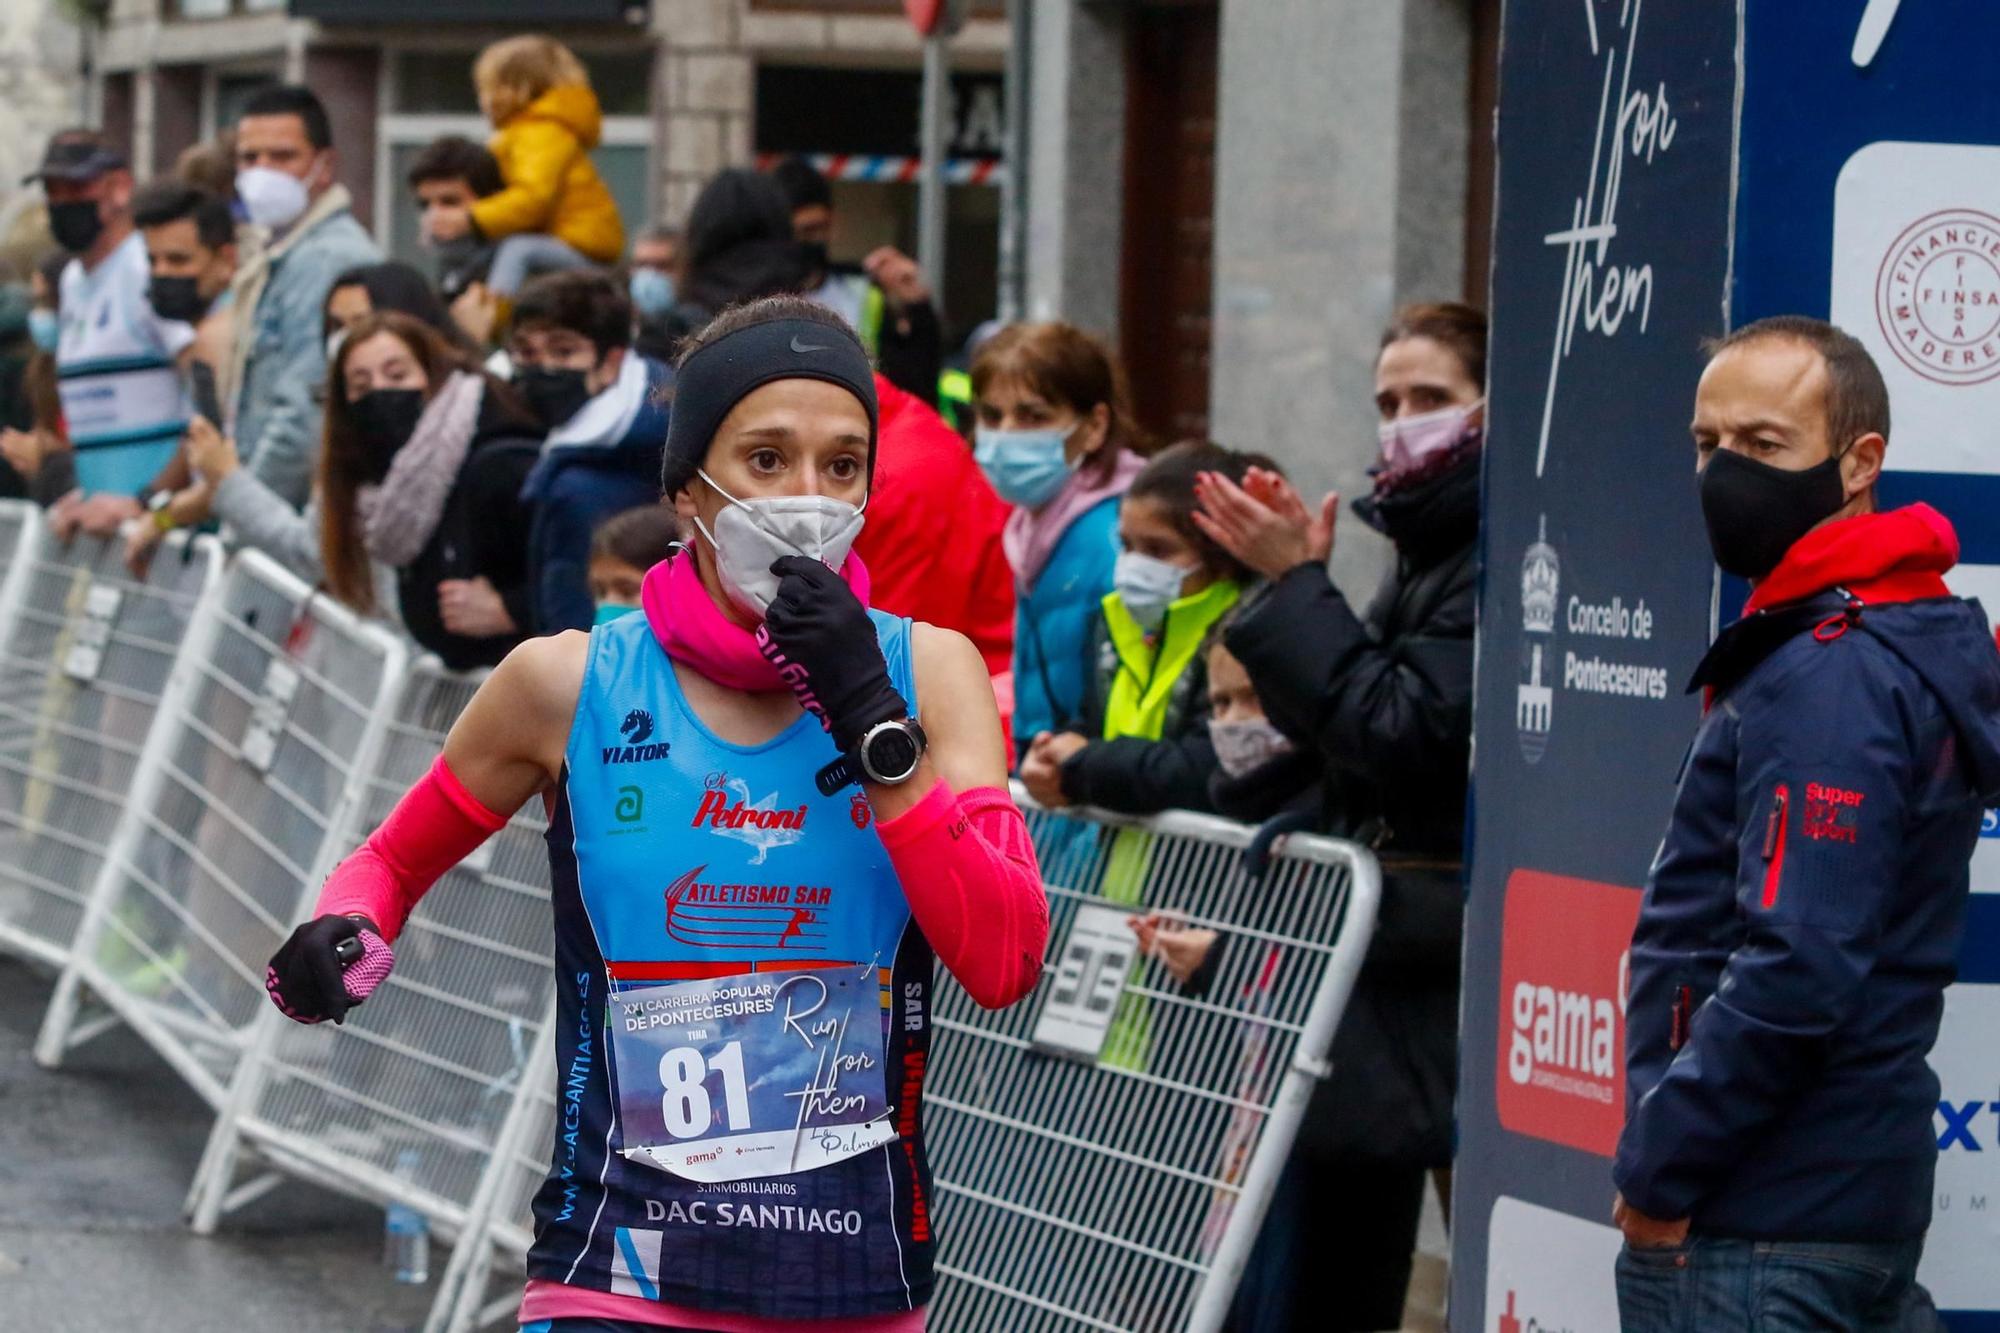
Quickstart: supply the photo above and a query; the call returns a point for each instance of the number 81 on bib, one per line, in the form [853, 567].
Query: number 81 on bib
[759, 1074]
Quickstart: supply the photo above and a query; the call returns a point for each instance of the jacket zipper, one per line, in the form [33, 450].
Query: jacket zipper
[1683, 1011]
[1774, 845]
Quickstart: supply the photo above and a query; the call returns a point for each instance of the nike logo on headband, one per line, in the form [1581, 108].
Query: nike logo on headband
[798, 346]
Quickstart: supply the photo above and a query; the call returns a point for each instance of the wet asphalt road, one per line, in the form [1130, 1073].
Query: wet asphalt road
[95, 1159]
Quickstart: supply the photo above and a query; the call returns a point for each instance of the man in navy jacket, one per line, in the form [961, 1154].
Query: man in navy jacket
[1803, 914]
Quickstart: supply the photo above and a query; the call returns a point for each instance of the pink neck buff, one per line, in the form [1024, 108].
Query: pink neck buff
[697, 633]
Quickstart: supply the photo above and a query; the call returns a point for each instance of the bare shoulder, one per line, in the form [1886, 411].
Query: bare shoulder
[536, 685]
[955, 700]
[550, 667]
[944, 655]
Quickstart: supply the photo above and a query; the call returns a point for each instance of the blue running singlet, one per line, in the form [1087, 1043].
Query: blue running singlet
[743, 1014]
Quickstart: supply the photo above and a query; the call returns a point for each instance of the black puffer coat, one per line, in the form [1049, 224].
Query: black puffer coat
[1386, 701]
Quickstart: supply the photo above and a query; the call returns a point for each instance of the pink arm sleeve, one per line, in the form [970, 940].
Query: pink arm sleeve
[437, 824]
[969, 872]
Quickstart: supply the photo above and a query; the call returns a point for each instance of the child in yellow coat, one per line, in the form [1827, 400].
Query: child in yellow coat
[555, 211]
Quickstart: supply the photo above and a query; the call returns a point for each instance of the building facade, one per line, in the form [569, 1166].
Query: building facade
[1242, 191]
[687, 86]
[1237, 192]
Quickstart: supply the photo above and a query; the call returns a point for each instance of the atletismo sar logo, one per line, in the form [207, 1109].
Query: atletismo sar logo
[636, 728]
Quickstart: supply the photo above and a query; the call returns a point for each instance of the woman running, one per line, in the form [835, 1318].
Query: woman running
[743, 935]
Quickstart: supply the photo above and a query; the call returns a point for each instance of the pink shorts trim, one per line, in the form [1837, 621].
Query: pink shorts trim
[553, 1300]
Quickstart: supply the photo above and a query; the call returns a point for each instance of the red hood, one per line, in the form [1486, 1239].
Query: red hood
[1897, 556]
[890, 400]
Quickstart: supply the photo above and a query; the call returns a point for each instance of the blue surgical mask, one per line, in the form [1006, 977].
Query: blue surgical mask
[45, 329]
[610, 611]
[652, 292]
[1147, 586]
[1026, 467]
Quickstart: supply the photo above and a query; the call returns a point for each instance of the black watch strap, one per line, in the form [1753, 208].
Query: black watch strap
[842, 772]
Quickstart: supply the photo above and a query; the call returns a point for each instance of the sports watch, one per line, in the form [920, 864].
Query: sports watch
[887, 754]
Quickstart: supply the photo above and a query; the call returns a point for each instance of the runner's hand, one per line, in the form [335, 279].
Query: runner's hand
[817, 624]
[306, 979]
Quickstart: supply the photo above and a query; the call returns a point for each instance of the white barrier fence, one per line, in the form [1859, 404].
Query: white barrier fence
[276, 701]
[86, 651]
[1102, 1153]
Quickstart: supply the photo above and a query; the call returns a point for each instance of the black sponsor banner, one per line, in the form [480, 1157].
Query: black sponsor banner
[1611, 257]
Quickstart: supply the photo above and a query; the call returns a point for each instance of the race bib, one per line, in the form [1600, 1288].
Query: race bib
[761, 1074]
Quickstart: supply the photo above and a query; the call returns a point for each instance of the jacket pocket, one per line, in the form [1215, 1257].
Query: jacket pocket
[1774, 844]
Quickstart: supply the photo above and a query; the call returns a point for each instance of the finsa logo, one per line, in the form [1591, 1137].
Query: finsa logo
[637, 729]
[1937, 296]
[1564, 957]
[760, 824]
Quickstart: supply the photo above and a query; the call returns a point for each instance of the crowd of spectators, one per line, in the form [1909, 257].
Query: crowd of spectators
[476, 457]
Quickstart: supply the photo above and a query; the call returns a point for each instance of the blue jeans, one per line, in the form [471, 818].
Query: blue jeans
[1712, 1285]
[528, 254]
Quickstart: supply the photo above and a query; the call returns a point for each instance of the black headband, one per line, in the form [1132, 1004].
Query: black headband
[721, 374]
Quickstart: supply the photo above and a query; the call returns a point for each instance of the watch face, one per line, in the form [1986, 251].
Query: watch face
[892, 753]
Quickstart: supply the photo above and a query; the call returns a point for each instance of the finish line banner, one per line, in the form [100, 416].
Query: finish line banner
[1866, 189]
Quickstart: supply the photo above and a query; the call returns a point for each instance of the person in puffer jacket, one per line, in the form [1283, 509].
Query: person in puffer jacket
[1804, 911]
[555, 211]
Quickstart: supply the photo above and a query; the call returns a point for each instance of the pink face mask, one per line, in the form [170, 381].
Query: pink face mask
[1408, 441]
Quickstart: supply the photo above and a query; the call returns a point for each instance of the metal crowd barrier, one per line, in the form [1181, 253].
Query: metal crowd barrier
[407, 1100]
[275, 706]
[503, 1228]
[1074, 1188]
[86, 650]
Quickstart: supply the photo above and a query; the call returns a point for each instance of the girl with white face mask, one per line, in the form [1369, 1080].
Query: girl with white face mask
[1147, 744]
[1056, 440]
[755, 737]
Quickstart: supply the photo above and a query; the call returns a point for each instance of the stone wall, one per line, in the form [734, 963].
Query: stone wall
[41, 91]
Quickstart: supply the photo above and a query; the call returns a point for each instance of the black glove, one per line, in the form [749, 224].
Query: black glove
[316, 975]
[820, 638]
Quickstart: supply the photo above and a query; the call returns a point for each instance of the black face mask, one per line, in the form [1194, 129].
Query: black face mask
[554, 396]
[814, 255]
[384, 419]
[177, 298]
[75, 224]
[1755, 512]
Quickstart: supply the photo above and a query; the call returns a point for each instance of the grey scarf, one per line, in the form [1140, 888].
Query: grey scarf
[399, 515]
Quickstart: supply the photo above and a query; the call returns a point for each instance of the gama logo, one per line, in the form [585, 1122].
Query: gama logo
[1564, 953]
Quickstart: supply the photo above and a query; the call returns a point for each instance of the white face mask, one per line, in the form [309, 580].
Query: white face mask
[271, 198]
[750, 535]
[1147, 586]
[1245, 745]
[1408, 441]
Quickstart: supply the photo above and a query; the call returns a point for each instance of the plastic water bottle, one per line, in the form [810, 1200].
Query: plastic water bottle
[406, 1233]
